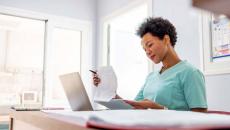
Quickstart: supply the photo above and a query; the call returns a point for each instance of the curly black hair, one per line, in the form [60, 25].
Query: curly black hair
[158, 27]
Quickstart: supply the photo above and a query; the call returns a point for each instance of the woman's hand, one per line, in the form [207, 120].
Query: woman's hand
[96, 79]
[199, 109]
[144, 104]
[117, 97]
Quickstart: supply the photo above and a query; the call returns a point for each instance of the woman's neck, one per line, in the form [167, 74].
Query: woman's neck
[171, 58]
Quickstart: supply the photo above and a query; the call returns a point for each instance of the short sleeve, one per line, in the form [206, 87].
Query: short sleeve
[194, 89]
[139, 95]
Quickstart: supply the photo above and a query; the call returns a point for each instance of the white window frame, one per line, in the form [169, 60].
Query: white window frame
[51, 21]
[103, 57]
[71, 24]
[210, 68]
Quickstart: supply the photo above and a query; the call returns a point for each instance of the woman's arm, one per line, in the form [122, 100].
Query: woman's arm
[199, 109]
[145, 104]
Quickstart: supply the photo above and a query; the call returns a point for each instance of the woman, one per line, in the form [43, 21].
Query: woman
[178, 85]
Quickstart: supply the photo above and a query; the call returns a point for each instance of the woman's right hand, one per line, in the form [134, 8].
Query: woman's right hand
[96, 80]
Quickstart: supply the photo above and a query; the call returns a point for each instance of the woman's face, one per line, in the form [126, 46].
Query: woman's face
[155, 48]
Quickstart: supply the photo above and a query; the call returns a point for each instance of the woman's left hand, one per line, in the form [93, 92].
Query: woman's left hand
[144, 104]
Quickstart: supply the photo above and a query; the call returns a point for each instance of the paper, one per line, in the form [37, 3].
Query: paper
[146, 119]
[106, 89]
[73, 117]
[79, 114]
[115, 104]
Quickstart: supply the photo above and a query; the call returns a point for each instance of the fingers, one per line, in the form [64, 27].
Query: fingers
[135, 104]
[131, 102]
[144, 104]
[96, 79]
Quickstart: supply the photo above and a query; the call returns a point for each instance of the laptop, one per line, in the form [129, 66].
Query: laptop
[75, 92]
[78, 98]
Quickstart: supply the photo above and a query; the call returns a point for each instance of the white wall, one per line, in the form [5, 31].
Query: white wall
[218, 88]
[80, 9]
[186, 21]
[104, 9]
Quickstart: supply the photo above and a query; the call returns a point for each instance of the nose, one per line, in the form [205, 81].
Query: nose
[148, 51]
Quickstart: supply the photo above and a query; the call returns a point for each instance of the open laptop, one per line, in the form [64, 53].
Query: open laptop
[78, 98]
[75, 92]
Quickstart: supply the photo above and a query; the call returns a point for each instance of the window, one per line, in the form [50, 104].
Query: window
[65, 57]
[34, 52]
[21, 58]
[125, 52]
[68, 50]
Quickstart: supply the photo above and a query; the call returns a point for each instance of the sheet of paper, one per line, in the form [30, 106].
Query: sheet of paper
[107, 88]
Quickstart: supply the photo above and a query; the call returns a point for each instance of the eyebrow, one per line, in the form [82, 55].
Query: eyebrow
[144, 44]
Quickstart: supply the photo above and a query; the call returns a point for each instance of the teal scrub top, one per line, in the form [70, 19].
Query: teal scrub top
[180, 87]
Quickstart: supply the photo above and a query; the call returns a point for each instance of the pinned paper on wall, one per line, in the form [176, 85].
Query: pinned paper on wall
[215, 44]
[220, 38]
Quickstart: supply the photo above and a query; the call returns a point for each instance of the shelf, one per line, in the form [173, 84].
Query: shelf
[214, 6]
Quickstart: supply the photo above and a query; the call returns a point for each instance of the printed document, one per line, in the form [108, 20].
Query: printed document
[106, 89]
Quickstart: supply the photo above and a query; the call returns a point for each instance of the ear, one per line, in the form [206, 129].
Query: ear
[167, 40]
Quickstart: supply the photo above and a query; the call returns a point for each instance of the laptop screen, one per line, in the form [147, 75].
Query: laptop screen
[75, 92]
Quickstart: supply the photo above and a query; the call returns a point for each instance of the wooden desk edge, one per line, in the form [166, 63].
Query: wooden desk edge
[43, 121]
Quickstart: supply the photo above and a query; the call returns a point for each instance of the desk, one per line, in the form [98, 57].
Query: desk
[36, 120]
[119, 120]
